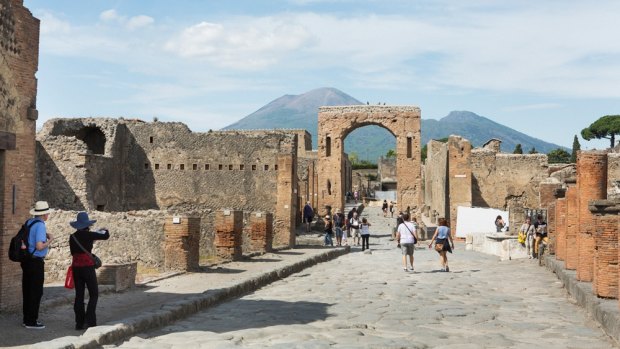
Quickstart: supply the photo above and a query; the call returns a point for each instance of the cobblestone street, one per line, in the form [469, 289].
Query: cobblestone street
[367, 300]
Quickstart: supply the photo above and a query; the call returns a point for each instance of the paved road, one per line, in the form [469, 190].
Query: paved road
[367, 300]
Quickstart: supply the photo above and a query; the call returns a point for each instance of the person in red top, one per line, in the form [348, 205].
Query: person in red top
[84, 276]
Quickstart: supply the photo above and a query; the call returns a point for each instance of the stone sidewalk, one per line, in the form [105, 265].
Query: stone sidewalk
[122, 314]
[365, 300]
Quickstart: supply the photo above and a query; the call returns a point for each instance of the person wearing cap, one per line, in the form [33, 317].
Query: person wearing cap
[33, 269]
[84, 276]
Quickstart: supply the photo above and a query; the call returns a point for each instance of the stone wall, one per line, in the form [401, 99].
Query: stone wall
[387, 173]
[613, 175]
[435, 174]
[19, 54]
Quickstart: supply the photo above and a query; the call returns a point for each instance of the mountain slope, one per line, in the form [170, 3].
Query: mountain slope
[370, 142]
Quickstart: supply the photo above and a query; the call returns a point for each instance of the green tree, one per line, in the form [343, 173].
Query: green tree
[605, 127]
[533, 151]
[558, 156]
[354, 158]
[390, 154]
[576, 148]
[518, 149]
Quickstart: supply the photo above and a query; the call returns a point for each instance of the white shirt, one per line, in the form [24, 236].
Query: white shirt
[365, 229]
[406, 235]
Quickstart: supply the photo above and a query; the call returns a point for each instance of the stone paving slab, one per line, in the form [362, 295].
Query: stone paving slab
[367, 301]
[121, 315]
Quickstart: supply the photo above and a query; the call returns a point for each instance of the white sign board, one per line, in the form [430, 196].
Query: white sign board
[477, 220]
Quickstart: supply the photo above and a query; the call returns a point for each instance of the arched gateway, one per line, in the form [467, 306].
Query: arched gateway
[335, 123]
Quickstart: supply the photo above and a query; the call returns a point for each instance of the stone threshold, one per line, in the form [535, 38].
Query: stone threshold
[605, 311]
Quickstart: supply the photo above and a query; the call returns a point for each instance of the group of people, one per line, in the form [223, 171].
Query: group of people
[534, 235]
[352, 225]
[407, 238]
[385, 207]
[83, 267]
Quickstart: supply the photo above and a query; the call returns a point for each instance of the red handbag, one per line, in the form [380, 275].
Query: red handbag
[69, 278]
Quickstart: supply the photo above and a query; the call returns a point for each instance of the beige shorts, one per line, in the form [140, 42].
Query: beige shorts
[355, 233]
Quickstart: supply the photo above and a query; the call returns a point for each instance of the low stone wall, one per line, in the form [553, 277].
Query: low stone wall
[136, 236]
[504, 246]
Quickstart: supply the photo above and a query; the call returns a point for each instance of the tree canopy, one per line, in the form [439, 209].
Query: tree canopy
[605, 127]
[518, 149]
[576, 148]
[533, 151]
[558, 156]
[390, 154]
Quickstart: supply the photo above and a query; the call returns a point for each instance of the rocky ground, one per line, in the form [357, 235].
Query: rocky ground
[367, 300]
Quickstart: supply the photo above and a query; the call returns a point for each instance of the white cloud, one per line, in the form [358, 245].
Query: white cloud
[139, 21]
[535, 106]
[109, 15]
[51, 24]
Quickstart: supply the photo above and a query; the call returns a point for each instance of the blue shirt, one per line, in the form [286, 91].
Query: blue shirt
[442, 232]
[37, 233]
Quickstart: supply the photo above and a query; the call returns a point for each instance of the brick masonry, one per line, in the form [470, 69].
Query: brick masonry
[459, 176]
[261, 231]
[572, 222]
[592, 184]
[560, 225]
[605, 269]
[19, 54]
[228, 230]
[181, 244]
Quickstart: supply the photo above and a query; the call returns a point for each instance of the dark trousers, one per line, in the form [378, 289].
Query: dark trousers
[85, 277]
[32, 288]
[365, 239]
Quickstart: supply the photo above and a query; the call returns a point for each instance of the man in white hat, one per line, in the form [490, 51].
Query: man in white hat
[39, 241]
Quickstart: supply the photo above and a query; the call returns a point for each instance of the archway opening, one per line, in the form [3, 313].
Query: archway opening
[372, 153]
[92, 136]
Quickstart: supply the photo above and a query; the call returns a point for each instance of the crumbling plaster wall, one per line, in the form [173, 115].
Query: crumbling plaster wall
[501, 178]
[436, 169]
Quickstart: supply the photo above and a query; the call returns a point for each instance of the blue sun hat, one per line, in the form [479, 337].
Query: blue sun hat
[82, 221]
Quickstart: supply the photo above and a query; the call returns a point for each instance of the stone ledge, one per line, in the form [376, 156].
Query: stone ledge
[98, 336]
[604, 311]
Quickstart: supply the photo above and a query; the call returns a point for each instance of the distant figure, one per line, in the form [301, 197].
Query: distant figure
[540, 227]
[499, 224]
[528, 229]
[338, 225]
[406, 237]
[328, 231]
[443, 238]
[355, 228]
[365, 232]
[356, 196]
[308, 216]
[392, 209]
[384, 208]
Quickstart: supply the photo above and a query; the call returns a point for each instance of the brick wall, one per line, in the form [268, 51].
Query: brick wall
[572, 227]
[182, 241]
[228, 230]
[261, 231]
[19, 53]
[605, 269]
[560, 226]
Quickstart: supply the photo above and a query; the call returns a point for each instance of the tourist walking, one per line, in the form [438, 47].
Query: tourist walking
[406, 236]
[338, 226]
[355, 229]
[499, 224]
[328, 231]
[356, 195]
[308, 216]
[33, 269]
[528, 230]
[540, 228]
[442, 240]
[365, 232]
[83, 264]
[349, 216]
[384, 208]
[392, 209]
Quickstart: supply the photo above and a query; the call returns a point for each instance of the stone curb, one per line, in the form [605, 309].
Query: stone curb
[108, 334]
[605, 311]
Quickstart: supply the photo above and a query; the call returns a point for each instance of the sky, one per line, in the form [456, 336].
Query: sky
[545, 68]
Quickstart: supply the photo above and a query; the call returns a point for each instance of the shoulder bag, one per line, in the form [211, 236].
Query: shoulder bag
[95, 259]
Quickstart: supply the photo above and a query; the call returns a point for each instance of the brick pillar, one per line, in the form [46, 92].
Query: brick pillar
[181, 243]
[228, 234]
[261, 231]
[286, 205]
[605, 270]
[551, 227]
[572, 222]
[459, 177]
[592, 183]
[560, 225]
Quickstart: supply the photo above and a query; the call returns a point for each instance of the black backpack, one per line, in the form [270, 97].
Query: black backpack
[18, 249]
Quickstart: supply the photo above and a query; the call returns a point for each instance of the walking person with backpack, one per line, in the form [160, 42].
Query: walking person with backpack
[33, 264]
[443, 240]
[355, 228]
[84, 265]
[406, 237]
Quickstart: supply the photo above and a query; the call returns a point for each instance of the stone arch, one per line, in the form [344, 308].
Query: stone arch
[335, 123]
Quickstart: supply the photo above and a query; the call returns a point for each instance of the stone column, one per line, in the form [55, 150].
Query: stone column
[228, 234]
[592, 182]
[181, 243]
[261, 231]
[551, 227]
[459, 176]
[605, 270]
[572, 222]
[286, 205]
[560, 226]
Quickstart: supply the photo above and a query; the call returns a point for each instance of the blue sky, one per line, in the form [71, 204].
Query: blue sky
[545, 68]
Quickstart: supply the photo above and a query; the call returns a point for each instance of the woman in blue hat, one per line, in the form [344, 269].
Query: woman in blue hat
[84, 276]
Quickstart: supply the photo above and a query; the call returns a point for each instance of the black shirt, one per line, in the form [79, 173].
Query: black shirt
[86, 238]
